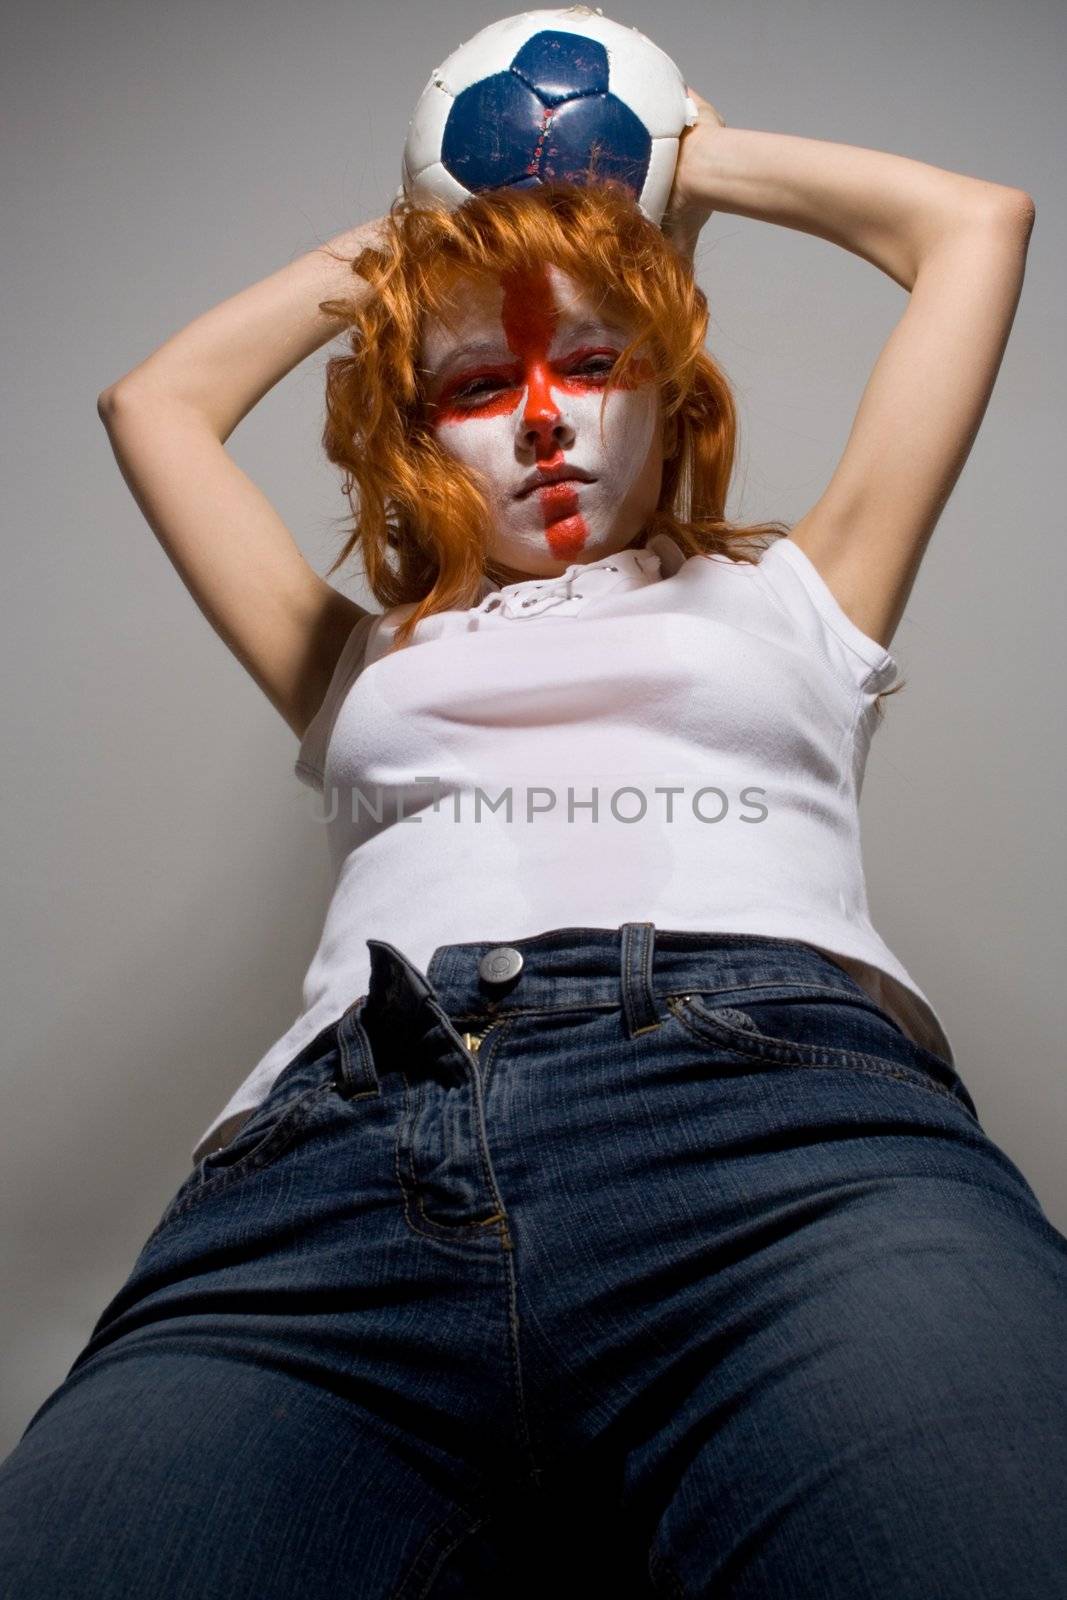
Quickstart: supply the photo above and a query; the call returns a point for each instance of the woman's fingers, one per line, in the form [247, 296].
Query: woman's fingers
[705, 107]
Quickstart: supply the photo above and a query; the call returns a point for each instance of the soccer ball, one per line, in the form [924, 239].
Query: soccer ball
[544, 96]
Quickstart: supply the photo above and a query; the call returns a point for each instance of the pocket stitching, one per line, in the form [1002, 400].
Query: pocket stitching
[860, 1000]
[735, 1038]
[273, 1143]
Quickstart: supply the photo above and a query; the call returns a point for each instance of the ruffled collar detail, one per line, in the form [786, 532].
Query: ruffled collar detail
[572, 590]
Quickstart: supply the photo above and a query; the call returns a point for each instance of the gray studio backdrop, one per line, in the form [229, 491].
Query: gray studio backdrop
[165, 875]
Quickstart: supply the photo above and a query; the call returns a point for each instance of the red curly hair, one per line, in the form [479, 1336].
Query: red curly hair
[423, 523]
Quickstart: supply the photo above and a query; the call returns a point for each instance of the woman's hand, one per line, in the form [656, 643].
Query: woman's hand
[686, 214]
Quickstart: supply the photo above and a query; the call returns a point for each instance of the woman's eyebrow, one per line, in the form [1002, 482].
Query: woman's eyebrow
[478, 347]
[497, 348]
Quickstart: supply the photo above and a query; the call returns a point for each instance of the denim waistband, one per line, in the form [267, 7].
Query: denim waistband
[634, 966]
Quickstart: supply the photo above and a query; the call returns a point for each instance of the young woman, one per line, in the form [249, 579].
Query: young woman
[613, 1212]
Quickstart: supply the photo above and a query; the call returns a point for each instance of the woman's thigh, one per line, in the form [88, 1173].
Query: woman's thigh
[175, 1472]
[776, 1279]
[876, 1406]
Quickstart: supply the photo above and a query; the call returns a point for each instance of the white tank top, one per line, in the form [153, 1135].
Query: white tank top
[648, 738]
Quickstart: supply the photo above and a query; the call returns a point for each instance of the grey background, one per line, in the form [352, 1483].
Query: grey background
[165, 877]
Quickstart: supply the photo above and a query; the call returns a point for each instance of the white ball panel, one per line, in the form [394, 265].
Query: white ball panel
[651, 85]
[426, 128]
[488, 51]
[568, 20]
[659, 178]
[437, 183]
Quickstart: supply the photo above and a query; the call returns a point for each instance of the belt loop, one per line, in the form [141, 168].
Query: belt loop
[638, 1000]
[356, 1073]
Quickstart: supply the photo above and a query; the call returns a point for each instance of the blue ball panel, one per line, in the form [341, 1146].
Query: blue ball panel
[493, 133]
[623, 141]
[560, 66]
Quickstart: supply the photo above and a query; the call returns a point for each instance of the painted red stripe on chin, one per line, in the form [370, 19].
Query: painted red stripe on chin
[566, 530]
[566, 534]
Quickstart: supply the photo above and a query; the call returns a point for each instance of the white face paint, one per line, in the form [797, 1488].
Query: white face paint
[515, 384]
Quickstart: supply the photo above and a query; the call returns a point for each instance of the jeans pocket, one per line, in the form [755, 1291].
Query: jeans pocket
[810, 1026]
[269, 1130]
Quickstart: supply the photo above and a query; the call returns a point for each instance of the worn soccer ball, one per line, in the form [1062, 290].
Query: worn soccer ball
[545, 96]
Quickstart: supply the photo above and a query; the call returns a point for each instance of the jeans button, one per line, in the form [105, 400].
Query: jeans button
[500, 965]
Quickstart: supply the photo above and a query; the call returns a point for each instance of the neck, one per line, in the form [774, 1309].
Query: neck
[505, 575]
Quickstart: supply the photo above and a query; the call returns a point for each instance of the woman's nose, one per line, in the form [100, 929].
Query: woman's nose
[541, 421]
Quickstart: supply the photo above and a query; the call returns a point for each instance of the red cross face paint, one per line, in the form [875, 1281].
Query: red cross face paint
[515, 385]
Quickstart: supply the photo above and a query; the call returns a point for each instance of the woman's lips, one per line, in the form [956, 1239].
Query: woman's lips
[565, 489]
[569, 481]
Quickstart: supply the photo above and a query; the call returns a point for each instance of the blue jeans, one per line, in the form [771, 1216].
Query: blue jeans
[696, 1278]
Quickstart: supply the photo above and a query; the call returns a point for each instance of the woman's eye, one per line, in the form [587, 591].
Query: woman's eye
[479, 386]
[594, 366]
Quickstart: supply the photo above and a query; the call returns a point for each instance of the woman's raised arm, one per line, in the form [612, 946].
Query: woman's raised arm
[958, 245]
[168, 420]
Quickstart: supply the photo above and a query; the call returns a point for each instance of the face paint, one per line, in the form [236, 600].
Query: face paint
[515, 383]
